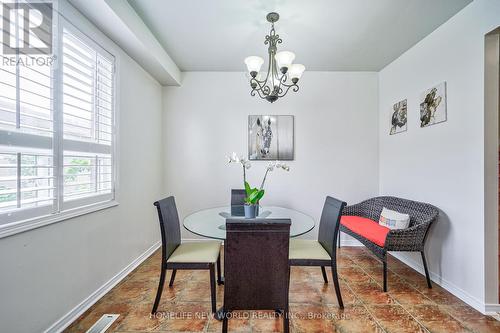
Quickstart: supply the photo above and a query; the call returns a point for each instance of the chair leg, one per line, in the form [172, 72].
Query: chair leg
[212, 288]
[224, 321]
[323, 271]
[286, 321]
[385, 274]
[427, 276]
[172, 278]
[160, 289]
[337, 285]
[219, 279]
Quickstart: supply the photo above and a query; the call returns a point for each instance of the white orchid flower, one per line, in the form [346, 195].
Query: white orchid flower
[235, 158]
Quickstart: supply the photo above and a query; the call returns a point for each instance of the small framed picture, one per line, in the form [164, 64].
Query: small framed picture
[433, 105]
[399, 117]
[270, 137]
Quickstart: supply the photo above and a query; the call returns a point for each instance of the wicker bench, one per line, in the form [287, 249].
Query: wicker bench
[422, 215]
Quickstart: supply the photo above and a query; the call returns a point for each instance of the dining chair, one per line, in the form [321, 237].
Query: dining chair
[322, 252]
[256, 269]
[237, 202]
[176, 255]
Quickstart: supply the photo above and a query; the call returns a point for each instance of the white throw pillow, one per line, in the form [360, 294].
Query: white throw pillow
[394, 220]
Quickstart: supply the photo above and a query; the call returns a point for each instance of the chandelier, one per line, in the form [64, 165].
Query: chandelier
[281, 73]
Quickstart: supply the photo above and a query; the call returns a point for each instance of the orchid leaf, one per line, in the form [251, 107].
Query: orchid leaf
[260, 195]
[253, 196]
[248, 190]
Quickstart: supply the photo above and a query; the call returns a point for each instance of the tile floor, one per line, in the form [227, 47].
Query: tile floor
[408, 306]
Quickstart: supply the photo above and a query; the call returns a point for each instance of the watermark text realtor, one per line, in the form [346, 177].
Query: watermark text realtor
[27, 33]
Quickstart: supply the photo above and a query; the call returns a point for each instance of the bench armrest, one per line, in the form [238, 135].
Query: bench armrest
[409, 239]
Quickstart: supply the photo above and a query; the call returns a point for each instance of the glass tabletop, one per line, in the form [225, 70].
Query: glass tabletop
[211, 222]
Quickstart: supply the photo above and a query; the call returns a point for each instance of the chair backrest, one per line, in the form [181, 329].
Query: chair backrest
[256, 270]
[169, 225]
[330, 223]
[420, 212]
[238, 202]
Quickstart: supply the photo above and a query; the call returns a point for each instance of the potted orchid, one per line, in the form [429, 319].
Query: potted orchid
[254, 194]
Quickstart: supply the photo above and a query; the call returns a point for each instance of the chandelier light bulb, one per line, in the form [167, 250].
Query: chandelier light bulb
[254, 63]
[284, 60]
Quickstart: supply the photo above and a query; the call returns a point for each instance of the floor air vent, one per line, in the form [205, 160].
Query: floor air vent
[103, 323]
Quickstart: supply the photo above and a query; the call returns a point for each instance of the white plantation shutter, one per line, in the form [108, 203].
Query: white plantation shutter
[88, 124]
[57, 132]
[27, 168]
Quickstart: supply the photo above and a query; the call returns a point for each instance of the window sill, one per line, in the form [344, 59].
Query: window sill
[26, 225]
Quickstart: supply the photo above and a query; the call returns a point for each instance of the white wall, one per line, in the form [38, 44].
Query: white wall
[335, 140]
[443, 164]
[48, 271]
[491, 148]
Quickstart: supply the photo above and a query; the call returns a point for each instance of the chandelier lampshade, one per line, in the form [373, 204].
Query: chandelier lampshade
[284, 60]
[295, 71]
[282, 74]
[254, 63]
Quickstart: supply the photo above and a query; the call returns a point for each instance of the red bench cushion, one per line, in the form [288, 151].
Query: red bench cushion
[367, 228]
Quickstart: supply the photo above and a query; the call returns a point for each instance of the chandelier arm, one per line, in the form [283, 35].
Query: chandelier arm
[282, 82]
[264, 88]
[256, 81]
[259, 94]
[260, 81]
[268, 68]
[276, 77]
[294, 87]
[256, 92]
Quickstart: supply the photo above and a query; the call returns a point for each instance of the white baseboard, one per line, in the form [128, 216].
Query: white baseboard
[449, 286]
[78, 310]
[491, 309]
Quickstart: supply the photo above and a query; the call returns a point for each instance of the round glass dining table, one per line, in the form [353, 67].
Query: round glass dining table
[211, 222]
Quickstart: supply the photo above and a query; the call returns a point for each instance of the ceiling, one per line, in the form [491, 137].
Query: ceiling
[325, 35]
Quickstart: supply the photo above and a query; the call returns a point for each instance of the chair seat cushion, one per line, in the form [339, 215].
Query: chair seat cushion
[367, 228]
[307, 249]
[196, 252]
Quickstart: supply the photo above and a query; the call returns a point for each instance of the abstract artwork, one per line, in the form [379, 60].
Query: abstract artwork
[399, 118]
[433, 105]
[270, 137]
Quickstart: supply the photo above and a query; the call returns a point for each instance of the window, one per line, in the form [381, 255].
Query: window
[57, 132]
